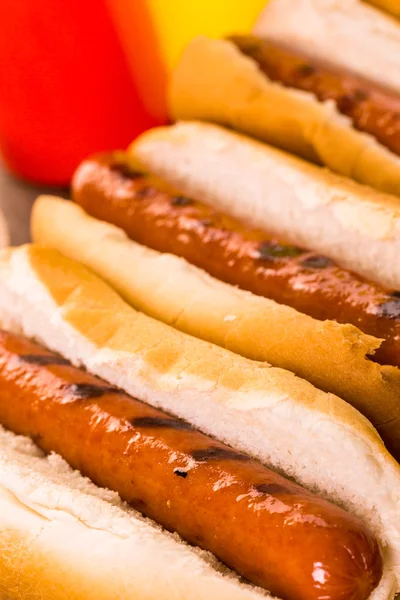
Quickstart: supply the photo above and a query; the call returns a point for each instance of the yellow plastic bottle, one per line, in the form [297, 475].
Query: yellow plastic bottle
[178, 21]
[153, 33]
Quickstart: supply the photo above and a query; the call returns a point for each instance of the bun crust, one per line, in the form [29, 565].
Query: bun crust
[215, 82]
[266, 412]
[333, 357]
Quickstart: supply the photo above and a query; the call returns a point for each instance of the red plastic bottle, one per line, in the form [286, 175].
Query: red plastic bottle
[66, 89]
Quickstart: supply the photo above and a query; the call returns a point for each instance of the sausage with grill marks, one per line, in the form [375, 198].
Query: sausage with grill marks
[371, 108]
[153, 214]
[269, 529]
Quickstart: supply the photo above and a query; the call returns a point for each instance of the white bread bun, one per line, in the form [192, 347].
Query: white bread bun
[333, 357]
[348, 33]
[215, 82]
[390, 6]
[63, 538]
[314, 437]
[267, 188]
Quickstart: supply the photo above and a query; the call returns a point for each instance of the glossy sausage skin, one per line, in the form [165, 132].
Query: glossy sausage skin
[252, 260]
[270, 530]
[372, 109]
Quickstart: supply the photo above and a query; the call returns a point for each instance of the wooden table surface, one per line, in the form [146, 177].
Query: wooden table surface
[16, 199]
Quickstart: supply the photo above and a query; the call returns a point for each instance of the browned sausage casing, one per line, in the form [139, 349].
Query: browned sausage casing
[372, 109]
[270, 530]
[252, 260]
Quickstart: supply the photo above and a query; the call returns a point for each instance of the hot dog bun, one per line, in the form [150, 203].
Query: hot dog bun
[333, 357]
[348, 33]
[215, 82]
[266, 412]
[267, 188]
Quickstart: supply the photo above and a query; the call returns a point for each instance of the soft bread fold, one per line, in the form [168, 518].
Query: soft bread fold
[215, 82]
[63, 538]
[348, 33]
[267, 188]
[333, 357]
[269, 413]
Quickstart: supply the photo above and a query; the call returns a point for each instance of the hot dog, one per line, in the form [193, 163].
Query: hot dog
[371, 109]
[210, 494]
[253, 260]
[333, 357]
[349, 33]
[295, 99]
[104, 433]
[269, 189]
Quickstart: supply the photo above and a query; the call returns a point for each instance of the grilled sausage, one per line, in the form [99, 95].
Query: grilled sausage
[253, 260]
[372, 109]
[270, 530]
